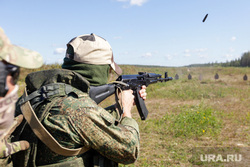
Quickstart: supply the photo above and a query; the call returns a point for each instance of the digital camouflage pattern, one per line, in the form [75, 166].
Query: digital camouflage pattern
[18, 56]
[7, 148]
[7, 109]
[23, 58]
[76, 121]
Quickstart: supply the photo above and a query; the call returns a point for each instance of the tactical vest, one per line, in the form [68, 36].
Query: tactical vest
[46, 87]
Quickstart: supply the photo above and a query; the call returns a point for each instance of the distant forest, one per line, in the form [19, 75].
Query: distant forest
[244, 61]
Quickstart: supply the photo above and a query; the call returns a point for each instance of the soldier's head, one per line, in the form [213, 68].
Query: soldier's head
[12, 58]
[92, 57]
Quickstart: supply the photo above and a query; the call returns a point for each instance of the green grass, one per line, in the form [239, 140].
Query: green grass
[191, 121]
[195, 121]
[194, 90]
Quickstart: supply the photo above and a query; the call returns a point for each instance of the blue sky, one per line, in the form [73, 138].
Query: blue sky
[144, 32]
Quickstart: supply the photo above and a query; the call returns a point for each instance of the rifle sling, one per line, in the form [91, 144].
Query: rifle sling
[41, 132]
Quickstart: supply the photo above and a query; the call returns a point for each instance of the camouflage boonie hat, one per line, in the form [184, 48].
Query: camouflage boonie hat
[17, 55]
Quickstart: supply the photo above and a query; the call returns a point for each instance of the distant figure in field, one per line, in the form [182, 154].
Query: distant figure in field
[216, 76]
[189, 76]
[176, 77]
[245, 77]
[200, 77]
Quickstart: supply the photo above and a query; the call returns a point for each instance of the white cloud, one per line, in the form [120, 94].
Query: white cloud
[199, 52]
[187, 53]
[233, 38]
[59, 51]
[137, 2]
[134, 2]
[202, 55]
[148, 54]
[228, 57]
[169, 57]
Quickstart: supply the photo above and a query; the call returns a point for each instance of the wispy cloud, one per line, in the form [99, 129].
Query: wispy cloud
[59, 51]
[148, 54]
[233, 38]
[187, 53]
[228, 57]
[137, 2]
[202, 55]
[169, 57]
[200, 52]
[134, 2]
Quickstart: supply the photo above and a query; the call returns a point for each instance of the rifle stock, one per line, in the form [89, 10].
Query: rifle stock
[100, 93]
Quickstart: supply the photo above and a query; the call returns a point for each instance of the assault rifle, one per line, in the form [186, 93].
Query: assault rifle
[125, 82]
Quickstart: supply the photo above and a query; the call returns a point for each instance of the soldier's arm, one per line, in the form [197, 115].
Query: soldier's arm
[114, 139]
[6, 147]
[118, 141]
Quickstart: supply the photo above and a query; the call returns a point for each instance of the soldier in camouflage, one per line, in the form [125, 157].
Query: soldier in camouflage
[73, 119]
[11, 58]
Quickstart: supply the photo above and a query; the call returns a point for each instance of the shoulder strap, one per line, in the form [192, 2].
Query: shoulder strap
[44, 135]
[45, 92]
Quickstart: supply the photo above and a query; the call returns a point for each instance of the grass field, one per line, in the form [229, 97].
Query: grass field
[186, 114]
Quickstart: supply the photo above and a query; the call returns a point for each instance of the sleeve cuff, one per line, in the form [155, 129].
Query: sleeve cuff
[126, 121]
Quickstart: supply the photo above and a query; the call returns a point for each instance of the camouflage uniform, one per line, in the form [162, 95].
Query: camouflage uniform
[71, 117]
[76, 121]
[21, 57]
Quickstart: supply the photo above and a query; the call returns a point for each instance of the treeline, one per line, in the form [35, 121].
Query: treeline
[244, 61]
